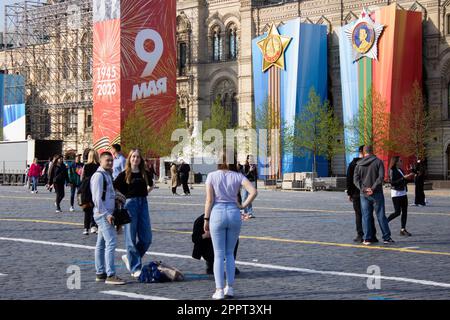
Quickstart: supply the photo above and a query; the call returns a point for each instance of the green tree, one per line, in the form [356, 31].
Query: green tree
[151, 137]
[219, 119]
[413, 133]
[316, 131]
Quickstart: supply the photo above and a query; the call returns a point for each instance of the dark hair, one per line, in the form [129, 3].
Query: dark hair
[106, 154]
[117, 147]
[227, 165]
[361, 149]
[368, 149]
[393, 162]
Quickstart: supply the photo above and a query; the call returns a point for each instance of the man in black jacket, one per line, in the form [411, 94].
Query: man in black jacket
[203, 246]
[184, 177]
[368, 178]
[354, 197]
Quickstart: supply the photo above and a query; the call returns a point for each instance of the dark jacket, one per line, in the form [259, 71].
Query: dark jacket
[369, 173]
[398, 181]
[59, 175]
[352, 190]
[203, 247]
[250, 172]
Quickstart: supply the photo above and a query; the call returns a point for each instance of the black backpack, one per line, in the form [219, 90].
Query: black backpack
[84, 195]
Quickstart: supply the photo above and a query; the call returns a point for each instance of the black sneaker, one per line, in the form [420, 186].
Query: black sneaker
[114, 280]
[375, 240]
[403, 232]
[237, 272]
[358, 239]
[101, 277]
[388, 241]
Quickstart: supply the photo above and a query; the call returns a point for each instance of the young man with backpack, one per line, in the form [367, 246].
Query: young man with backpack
[103, 197]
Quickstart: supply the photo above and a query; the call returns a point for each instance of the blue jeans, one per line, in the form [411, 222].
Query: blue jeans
[368, 204]
[244, 196]
[34, 183]
[73, 190]
[105, 247]
[138, 233]
[225, 226]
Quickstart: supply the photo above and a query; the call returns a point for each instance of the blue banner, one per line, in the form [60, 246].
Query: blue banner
[306, 67]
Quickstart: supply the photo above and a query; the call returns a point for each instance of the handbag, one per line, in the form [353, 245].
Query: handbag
[121, 216]
[170, 272]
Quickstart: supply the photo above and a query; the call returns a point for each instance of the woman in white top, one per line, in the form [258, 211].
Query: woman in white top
[223, 218]
[399, 192]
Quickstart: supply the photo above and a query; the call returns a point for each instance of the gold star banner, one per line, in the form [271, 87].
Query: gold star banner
[273, 47]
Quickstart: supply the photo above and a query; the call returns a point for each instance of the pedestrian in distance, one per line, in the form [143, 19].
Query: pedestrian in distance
[119, 160]
[399, 192]
[34, 173]
[419, 182]
[251, 173]
[223, 218]
[174, 178]
[47, 171]
[58, 180]
[89, 169]
[369, 178]
[104, 199]
[354, 197]
[184, 177]
[73, 168]
[134, 184]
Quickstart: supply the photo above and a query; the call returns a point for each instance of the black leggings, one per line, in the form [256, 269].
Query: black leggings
[59, 189]
[401, 207]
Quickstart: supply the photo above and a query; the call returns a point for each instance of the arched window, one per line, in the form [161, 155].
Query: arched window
[225, 92]
[183, 43]
[217, 44]
[182, 60]
[232, 42]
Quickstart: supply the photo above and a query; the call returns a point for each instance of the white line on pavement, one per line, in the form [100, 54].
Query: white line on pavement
[133, 295]
[3, 275]
[250, 264]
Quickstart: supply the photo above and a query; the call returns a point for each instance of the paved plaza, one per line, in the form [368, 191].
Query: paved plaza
[299, 246]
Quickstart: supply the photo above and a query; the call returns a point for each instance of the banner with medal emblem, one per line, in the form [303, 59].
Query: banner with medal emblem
[287, 62]
[381, 53]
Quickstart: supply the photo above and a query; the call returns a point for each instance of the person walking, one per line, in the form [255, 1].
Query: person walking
[47, 171]
[184, 177]
[119, 160]
[34, 173]
[104, 204]
[134, 184]
[89, 169]
[174, 178]
[251, 173]
[354, 197]
[399, 191]
[58, 180]
[223, 219]
[419, 181]
[368, 178]
[74, 179]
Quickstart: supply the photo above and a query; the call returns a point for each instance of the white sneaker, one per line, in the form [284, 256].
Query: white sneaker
[136, 274]
[94, 230]
[32, 191]
[71, 209]
[218, 295]
[228, 292]
[127, 263]
[58, 211]
[86, 232]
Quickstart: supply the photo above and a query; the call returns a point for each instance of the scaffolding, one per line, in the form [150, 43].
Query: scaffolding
[49, 43]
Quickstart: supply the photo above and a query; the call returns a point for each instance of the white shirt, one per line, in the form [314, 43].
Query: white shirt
[101, 207]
